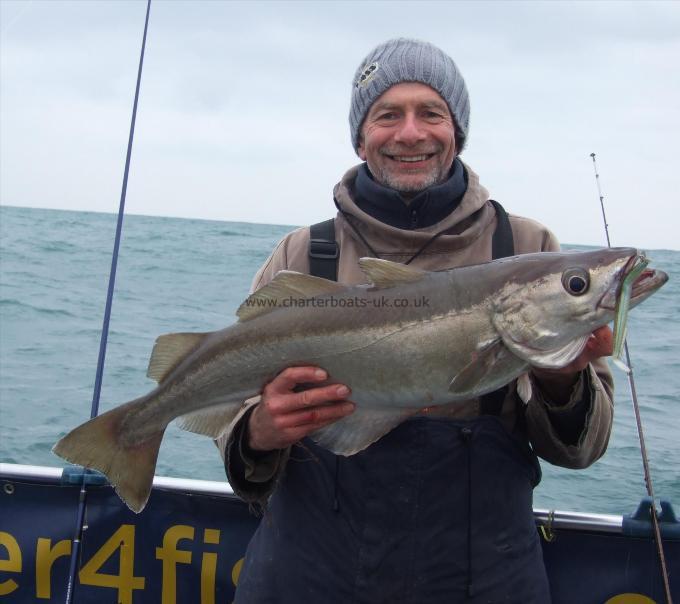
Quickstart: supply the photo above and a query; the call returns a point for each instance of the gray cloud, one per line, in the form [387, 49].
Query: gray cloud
[243, 109]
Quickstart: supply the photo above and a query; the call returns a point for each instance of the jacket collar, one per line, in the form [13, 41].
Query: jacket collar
[462, 225]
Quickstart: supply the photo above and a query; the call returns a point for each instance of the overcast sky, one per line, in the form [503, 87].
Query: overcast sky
[243, 107]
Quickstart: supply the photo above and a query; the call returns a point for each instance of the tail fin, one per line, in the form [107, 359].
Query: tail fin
[98, 444]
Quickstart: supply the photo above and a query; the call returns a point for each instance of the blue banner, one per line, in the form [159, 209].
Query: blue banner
[181, 548]
[188, 548]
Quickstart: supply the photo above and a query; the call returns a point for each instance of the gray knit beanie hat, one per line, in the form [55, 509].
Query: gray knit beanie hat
[404, 60]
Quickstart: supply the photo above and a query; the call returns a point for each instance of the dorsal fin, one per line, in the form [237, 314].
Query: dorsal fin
[284, 286]
[169, 350]
[384, 273]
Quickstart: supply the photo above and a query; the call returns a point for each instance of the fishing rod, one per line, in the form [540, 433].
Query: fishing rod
[638, 420]
[78, 534]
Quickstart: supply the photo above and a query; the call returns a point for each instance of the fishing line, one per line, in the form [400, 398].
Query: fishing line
[638, 419]
[75, 548]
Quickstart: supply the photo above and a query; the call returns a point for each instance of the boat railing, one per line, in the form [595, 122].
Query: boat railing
[557, 519]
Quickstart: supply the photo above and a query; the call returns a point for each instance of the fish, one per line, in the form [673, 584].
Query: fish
[406, 340]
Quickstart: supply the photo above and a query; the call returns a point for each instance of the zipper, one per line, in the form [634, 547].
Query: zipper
[466, 437]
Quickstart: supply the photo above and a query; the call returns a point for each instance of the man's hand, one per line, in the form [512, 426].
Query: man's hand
[284, 416]
[557, 383]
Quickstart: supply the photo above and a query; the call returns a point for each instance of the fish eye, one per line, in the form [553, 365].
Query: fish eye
[576, 281]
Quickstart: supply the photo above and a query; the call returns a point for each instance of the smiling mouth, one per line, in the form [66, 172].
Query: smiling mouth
[411, 159]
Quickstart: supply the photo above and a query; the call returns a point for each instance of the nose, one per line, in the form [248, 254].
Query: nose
[410, 130]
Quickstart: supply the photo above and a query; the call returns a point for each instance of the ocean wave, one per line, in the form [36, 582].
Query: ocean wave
[58, 247]
[12, 303]
[190, 275]
[227, 233]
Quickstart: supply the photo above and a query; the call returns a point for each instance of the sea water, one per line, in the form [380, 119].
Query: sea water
[177, 275]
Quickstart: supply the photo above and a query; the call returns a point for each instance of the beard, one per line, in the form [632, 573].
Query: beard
[404, 184]
[414, 182]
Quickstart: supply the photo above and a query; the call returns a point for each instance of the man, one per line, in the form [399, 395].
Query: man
[439, 509]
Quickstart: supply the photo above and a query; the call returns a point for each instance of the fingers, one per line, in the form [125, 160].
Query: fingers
[267, 432]
[297, 433]
[316, 417]
[279, 395]
[285, 415]
[294, 401]
[601, 342]
[285, 381]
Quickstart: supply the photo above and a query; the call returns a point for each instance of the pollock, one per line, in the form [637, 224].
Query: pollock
[406, 340]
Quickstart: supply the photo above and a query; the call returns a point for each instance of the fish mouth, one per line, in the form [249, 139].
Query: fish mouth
[645, 284]
[649, 281]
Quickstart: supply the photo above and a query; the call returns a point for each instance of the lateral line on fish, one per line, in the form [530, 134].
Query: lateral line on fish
[402, 328]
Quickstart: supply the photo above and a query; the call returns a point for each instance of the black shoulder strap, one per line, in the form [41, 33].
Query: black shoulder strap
[323, 250]
[502, 244]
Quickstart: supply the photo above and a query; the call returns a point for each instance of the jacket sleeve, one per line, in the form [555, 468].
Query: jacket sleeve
[576, 434]
[253, 475]
[594, 391]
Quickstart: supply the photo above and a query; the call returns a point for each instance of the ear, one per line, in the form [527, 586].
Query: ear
[361, 150]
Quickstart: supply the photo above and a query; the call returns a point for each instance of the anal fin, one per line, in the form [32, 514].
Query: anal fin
[212, 421]
[362, 428]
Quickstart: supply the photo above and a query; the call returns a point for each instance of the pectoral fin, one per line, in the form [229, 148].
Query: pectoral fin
[477, 377]
[357, 431]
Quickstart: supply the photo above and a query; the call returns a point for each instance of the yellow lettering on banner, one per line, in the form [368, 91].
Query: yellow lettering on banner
[11, 564]
[209, 567]
[208, 573]
[45, 555]
[171, 556]
[211, 536]
[125, 581]
[236, 571]
[630, 599]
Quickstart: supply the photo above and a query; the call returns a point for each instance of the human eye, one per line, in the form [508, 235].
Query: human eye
[433, 115]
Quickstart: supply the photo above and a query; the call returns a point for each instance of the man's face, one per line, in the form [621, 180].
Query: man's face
[408, 138]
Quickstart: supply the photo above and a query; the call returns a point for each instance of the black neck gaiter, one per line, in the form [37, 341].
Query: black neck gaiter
[425, 209]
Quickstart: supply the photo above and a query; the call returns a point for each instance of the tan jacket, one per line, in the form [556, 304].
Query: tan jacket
[467, 240]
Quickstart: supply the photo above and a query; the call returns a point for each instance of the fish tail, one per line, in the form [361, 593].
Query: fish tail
[98, 444]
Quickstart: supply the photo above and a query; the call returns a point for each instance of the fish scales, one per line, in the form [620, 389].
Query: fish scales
[407, 340]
